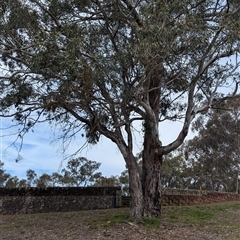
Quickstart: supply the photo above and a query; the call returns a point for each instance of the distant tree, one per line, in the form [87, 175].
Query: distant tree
[176, 172]
[100, 66]
[214, 154]
[12, 182]
[22, 183]
[31, 177]
[3, 175]
[124, 182]
[67, 179]
[44, 181]
[107, 181]
[81, 171]
[124, 177]
[57, 179]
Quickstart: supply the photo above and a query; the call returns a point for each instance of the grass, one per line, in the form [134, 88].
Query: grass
[109, 218]
[215, 216]
[221, 219]
[202, 215]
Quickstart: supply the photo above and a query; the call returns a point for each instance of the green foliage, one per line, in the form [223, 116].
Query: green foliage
[22, 183]
[124, 182]
[12, 182]
[57, 179]
[31, 177]
[3, 175]
[44, 181]
[94, 61]
[107, 181]
[176, 172]
[99, 66]
[80, 172]
[214, 153]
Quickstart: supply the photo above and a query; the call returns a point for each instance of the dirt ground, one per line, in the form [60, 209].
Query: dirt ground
[80, 225]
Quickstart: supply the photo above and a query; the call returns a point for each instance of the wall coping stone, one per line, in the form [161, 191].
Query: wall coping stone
[192, 192]
[60, 191]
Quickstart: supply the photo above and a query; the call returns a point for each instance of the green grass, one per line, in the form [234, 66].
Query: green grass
[18, 224]
[151, 222]
[222, 219]
[201, 214]
[215, 215]
[109, 218]
[196, 215]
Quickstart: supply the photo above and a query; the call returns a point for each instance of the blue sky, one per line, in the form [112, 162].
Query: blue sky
[44, 155]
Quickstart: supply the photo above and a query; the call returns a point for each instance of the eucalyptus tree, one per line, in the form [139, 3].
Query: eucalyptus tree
[3, 175]
[12, 182]
[22, 183]
[57, 179]
[81, 171]
[44, 181]
[102, 181]
[31, 177]
[100, 66]
[214, 154]
[177, 171]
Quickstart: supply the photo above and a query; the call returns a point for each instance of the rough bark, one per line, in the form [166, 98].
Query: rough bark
[151, 179]
[152, 151]
[135, 187]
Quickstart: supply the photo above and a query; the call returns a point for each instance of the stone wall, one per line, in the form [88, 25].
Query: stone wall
[33, 200]
[178, 197]
[182, 197]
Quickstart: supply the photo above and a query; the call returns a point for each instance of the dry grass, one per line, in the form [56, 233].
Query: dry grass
[203, 222]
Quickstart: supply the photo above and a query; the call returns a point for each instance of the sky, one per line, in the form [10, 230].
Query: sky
[43, 154]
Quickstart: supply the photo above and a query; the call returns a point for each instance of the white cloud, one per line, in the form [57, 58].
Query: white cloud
[43, 155]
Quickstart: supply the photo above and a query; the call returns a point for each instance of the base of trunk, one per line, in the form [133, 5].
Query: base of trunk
[152, 208]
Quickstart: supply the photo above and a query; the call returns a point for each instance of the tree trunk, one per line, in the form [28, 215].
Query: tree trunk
[151, 176]
[152, 154]
[135, 187]
[145, 190]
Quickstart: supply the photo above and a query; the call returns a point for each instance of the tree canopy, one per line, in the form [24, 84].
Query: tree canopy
[81, 171]
[78, 172]
[99, 66]
[214, 154]
[3, 175]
